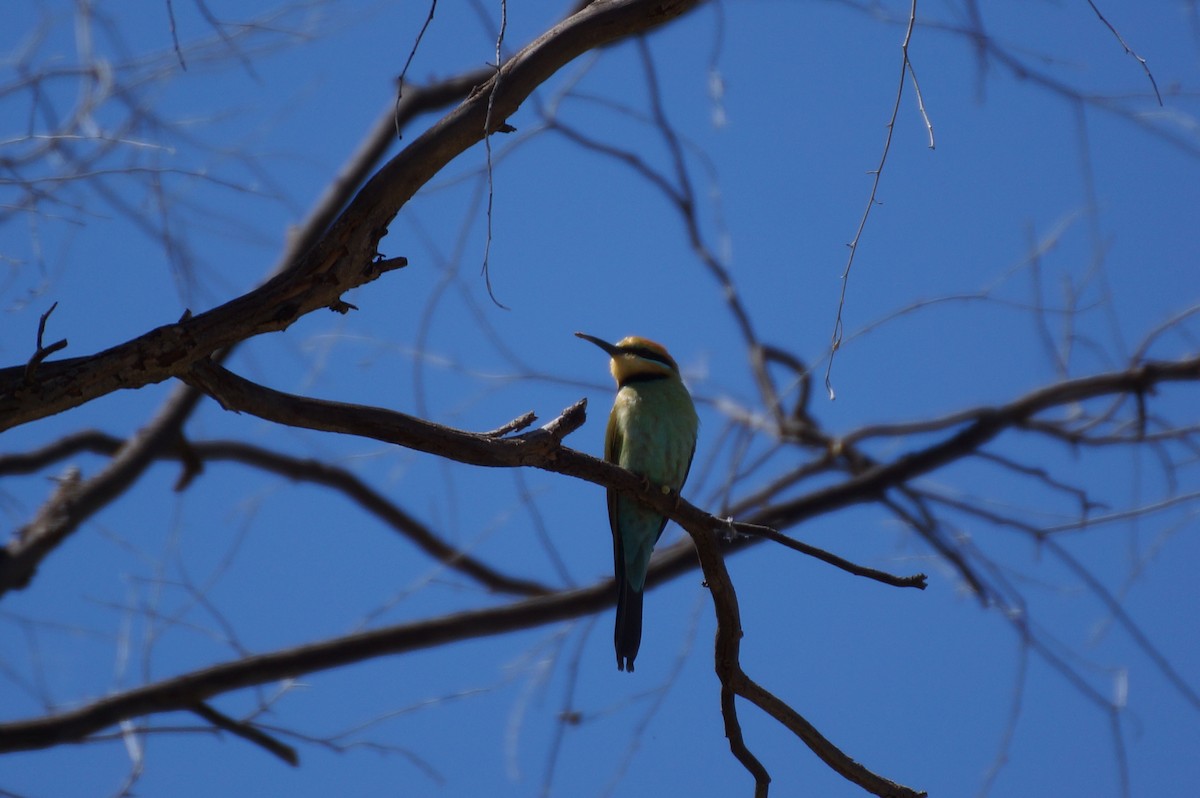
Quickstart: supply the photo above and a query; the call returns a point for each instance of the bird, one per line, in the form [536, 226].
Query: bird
[652, 432]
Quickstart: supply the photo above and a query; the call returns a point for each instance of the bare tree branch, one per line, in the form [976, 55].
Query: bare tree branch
[247, 731]
[183, 693]
[348, 255]
[783, 467]
[67, 509]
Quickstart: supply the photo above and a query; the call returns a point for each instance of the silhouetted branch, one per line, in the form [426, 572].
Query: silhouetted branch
[347, 256]
[1129, 51]
[986, 423]
[542, 448]
[42, 351]
[537, 448]
[183, 693]
[734, 680]
[916, 580]
[248, 731]
[67, 509]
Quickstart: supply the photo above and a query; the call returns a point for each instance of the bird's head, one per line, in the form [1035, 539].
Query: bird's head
[636, 358]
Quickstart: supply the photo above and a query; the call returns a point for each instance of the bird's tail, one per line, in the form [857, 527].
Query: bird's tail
[628, 634]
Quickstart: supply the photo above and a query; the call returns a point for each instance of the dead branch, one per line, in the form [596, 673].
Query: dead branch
[347, 255]
[247, 731]
[66, 510]
[986, 424]
[543, 448]
[915, 580]
[183, 693]
[42, 351]
[194, 454]
[735, 681]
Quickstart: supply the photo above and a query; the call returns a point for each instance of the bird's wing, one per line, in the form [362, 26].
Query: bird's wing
[682, 482]
[613, 441]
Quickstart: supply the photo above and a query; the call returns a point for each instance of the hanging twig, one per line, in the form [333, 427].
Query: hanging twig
[905, 69]
[1129, 50]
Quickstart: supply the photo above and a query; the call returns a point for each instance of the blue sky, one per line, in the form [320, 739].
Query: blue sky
[918, 686]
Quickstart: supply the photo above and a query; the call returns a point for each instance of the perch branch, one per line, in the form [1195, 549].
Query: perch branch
[346, 256]
[542, 448]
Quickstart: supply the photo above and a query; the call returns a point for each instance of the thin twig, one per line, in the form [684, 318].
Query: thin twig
[249, 732]
[838, 329]
[407, 63]
[1130, 51]
[1010, 726]
[42, 352]
[487, 144]
[912, 71]
[175, 35]
[1114, 606]
[516, 425]
[916, 580]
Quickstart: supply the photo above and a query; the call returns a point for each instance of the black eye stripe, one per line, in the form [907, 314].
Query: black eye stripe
[645, 376]
[648, 354]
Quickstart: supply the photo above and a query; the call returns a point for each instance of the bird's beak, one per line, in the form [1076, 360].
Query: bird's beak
[600, 342]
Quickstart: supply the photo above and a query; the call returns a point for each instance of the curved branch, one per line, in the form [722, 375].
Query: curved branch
[542, 448]
[535, 448]
[75, 500]
[185, 693]
[376, 504]
[735, 681]
[916, 580]
[987, 423]
[347, 255]
[194, 453]
[539, 448]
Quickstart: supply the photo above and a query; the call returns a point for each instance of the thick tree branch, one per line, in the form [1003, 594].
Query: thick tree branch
[533, 448]
[73, 501]
[185, 693]
[326, 273]
[347, 255]
[542, 448]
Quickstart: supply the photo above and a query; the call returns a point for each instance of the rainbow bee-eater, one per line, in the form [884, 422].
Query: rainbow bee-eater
[651, 432]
